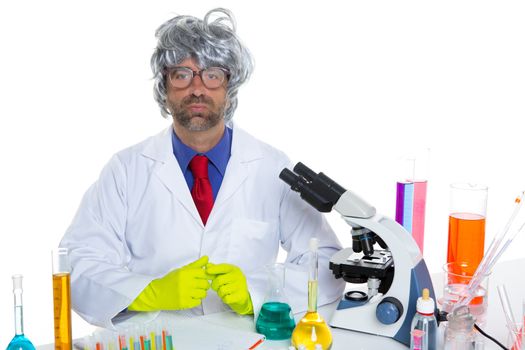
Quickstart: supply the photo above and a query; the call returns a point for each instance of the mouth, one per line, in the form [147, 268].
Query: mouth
[197, 107]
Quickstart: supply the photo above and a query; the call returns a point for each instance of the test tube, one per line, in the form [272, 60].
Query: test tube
[169, 342]
[136, 338]
[158, 337]
[87, 342]
[122, 344]
[62, 299]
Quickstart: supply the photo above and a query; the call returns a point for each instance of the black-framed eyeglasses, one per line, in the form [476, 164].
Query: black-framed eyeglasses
[212, 77]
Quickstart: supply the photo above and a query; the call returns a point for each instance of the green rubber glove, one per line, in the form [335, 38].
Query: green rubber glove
[181, 288]
[230, 284]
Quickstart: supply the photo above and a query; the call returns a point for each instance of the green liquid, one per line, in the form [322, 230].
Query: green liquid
[275, 321]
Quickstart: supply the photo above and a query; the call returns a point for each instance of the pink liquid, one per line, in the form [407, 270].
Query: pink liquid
[418, 219]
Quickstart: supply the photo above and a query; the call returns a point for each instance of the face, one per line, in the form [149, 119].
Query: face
[196, 108]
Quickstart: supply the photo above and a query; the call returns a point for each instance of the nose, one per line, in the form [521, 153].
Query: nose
[197, 87]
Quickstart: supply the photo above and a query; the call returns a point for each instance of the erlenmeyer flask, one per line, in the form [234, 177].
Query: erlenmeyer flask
[275, 319]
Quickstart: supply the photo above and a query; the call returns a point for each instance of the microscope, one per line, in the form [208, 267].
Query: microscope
[383, 255]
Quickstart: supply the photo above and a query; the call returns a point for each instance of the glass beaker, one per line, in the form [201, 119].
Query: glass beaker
[455, 287]
[275, 319]
[466, 225]
[62, 299]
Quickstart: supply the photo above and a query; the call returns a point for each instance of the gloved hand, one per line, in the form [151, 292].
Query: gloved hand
[230, 284]
[181, 288]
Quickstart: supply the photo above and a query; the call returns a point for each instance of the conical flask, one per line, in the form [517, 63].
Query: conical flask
[275, 319]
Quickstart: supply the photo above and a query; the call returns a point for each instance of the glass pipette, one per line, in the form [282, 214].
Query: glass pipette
[494, 252]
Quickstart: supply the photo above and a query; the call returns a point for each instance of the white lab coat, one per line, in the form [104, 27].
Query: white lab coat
[138, 222]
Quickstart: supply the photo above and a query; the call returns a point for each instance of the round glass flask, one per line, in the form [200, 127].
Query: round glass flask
[312, 332]
[275, 318]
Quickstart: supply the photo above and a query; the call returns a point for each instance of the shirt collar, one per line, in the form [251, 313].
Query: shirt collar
[218, 155]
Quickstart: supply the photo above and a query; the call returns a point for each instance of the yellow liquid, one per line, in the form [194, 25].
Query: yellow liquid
[312, 296]
[311, 330]
[62, 311]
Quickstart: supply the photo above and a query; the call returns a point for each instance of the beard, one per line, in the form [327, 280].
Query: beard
[196, 121]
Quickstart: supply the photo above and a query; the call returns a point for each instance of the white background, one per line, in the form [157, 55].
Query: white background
[348, 87]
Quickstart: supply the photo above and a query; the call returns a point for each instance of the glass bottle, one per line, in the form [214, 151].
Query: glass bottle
[19, 342]
[425, 322]
[312, 332]
[275, 319]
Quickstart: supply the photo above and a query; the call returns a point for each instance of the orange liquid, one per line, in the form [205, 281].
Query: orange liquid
[62, 311]
[466, 240]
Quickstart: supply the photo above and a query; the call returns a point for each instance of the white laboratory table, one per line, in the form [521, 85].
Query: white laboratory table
[508, 273]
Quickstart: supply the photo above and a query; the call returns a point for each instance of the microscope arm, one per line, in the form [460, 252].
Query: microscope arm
[351, 205]
[325, 194]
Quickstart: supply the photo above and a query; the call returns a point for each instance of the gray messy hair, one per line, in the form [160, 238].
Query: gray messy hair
[210, 44]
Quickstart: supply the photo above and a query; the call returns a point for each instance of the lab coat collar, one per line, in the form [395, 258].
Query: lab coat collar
[245, 149]
[244, 146]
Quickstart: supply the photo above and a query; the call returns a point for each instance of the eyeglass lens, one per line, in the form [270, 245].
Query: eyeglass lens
[211, 77]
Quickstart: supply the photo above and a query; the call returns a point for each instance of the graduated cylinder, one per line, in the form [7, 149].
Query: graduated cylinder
[62, 299]
[466, 228]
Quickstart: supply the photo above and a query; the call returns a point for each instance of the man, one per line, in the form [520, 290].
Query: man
[188, 218]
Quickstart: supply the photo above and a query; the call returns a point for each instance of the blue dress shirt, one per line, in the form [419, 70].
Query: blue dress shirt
[218, 157]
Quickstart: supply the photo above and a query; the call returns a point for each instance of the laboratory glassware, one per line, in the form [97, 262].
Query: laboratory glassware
[312, 330]
[499, 244]
[424, 321]
[466, 226]
[457, 278]
[62, 299]
[460, 334]
[516, 337]
[275, 319]
[411, 196]
[19, 342]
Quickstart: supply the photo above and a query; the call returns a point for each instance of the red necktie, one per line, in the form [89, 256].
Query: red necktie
[201, 192]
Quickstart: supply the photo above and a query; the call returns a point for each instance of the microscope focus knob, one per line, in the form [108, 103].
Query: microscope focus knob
[389, 310]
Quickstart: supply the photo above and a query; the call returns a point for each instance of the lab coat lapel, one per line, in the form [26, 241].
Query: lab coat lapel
[168, 170]
[244, 151]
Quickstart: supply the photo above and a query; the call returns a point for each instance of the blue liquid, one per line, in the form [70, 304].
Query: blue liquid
[275, 321]
[20, 342]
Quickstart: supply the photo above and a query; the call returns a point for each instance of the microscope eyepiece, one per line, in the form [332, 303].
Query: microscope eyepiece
[290, 178]
[304, 171]
[318, 190]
